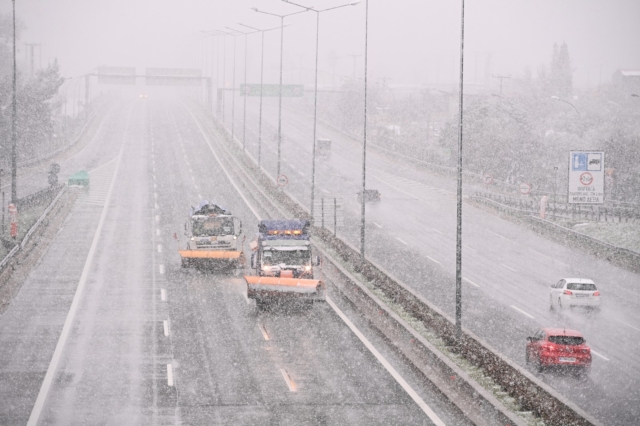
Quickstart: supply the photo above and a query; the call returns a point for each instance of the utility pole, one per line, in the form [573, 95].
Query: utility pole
[354, 56]
[14, 134]
[501, 78]
[458, 318]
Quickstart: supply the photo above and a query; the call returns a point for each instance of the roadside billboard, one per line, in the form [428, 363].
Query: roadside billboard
[586, 177]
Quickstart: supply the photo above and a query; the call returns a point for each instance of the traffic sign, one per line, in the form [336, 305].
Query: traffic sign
[525, 188]
[288, 90]
[282, 181]
[487, 179]
[586, 177]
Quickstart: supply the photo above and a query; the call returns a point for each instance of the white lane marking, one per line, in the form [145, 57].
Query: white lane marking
[159, 248]
[427, 410]
[433, 260]
[68, 323]
[324, 190]
[550, 258]
[300, 173]
[156, 206]
[155, 186]
[287, 379]
[403, 242]
[161, 268]
[495, 233]
[157, 218]
[438, 231]
[157, 231]
[522, 312]
[466, 246]
[379, 226]
[196, 187]
[264, 332]
[169, 374]
[165, 325]
[469, 281]
[155, 195]
[628, 325]
[600, 355]
[163, 294]
[200, 196]
[206, 138]
[511, 269]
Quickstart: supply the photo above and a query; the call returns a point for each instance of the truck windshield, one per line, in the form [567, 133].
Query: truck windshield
[288, 257]
[211, 227]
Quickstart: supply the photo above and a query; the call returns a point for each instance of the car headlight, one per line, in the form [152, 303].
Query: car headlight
[193, 238]
[307, 268]
[235, 237]
[266, 268]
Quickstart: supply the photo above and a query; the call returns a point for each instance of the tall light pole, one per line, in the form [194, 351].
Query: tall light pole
[14, 134]
[261, 79]
[280, 86]
[459, 192]
[364, 140]
[566, 102]
[315, 95]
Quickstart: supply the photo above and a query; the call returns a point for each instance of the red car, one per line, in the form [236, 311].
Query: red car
[558, 347]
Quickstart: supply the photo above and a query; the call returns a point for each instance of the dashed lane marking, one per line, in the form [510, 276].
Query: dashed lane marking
[379, 226]
[600, 355]
[403, 242]
[264, 332]
[165, 325]
[508, 267]
[163, 295]
[433, 260]
[159, 248]
[169, 374]
[522, 312]
[290, 383]
[470, 282]
[161, 268]
[157, 231]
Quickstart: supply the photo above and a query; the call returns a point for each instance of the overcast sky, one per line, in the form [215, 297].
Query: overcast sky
[410, 41]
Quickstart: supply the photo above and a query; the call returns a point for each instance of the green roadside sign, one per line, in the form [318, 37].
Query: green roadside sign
[288, 90]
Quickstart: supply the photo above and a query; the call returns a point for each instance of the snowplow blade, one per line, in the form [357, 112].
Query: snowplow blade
[265, 288]
[205, 254]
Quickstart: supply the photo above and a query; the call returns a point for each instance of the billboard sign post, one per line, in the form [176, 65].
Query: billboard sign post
[586, 177]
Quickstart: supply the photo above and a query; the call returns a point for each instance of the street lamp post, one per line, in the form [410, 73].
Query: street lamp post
[555, 187]
[459, 192]
[364, 140]
[315, 94]
[14, 134]
[261, 79]
[280, 84]
[566, 102]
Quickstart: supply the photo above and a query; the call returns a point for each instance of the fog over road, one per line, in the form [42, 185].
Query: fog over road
[151, 343]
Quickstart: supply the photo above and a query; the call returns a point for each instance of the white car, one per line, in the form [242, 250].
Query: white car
[570, 292]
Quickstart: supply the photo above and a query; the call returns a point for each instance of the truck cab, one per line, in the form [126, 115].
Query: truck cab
[282, 249]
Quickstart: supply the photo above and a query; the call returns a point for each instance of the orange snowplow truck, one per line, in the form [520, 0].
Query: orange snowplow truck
[212, 240]
[283, 263]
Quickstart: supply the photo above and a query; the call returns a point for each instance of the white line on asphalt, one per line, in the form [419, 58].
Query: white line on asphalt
[550, 258]
[300, 173]
[155, 195]
[156, 206]
[600, 355]
[155, 186]
[511, 269]
[433, 260]
[439, 232]
[427, 410]
[495, 233]
[522, 312]
[161, 268]
[165, 325]
[157, 231]
[68, 323]
[324, 190]
[200, 196]
[169, 374]
[287, 379]
[163, 294]
[470, 282]
[264, 332]
[628, 325]
[157, 218]
[159, 248]
[379, 226]
[403, 242]
[466, 246]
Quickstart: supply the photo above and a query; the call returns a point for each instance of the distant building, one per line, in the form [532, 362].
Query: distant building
[628, 79]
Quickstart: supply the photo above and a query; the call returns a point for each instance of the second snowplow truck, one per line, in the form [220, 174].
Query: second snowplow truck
[283, 263]
[212, 238]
